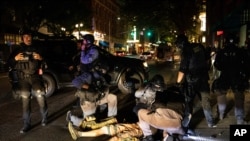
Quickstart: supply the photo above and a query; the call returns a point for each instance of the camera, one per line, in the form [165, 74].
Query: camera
[27, 56]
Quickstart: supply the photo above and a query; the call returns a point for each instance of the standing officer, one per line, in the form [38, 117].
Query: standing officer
[233, 63]
[26, 63]
[193, 73]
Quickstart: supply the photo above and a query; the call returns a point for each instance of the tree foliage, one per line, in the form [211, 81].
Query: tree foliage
[32, 13]
[163, 16]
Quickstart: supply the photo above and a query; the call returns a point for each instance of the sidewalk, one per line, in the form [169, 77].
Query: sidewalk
[222, 131]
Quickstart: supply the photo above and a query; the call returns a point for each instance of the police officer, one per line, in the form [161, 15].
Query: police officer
[234, 66]
[90, 99]
[154, 111]
[146, 94]
[193, 75]
[89, 56]
[92, 74]
[86, 57]
[27, 63]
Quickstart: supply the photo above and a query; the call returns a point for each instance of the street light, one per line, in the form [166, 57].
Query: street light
[63, 29]
[79, 26]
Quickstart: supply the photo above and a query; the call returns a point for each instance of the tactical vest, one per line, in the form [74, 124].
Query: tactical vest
[233, 62]
[28, 66]
[198, 62]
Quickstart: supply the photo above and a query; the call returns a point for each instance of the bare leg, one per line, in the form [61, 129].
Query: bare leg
[117, 131]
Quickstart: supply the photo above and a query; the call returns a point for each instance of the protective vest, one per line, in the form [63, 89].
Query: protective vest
[233, 63]
[28, 66]
[198, 61]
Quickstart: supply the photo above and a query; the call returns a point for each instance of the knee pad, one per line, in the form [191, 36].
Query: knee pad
[38, 92]
[24, 93]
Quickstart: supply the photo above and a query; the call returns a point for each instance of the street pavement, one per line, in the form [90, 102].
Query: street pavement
[63, 100]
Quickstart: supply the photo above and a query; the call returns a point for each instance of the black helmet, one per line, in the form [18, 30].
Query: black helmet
[25, 30]
[180, 40]
[158, 82]
[89, 38]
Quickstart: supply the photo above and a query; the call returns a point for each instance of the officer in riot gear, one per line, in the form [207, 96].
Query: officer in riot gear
[92, 74]
[89, 53]
[233, 62]
[193, 75]
[158, 83]
[88, 58]
[146, 94]
[26, 64]
[154, 111]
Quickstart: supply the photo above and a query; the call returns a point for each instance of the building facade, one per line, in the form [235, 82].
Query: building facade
[108, 26]
[227, 16]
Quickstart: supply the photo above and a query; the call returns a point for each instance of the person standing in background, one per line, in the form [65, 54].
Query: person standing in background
[233, 63]
[193, 74]
[214, 50]
[26, 65]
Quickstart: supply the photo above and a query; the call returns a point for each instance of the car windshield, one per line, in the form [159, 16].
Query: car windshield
[119, 51]
[146, 53]
[104, 52]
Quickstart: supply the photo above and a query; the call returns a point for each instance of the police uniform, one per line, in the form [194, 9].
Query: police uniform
[194, 65]
[90, 99]
[233, 64]
[154, 113]
[88, 58]
[28, 83]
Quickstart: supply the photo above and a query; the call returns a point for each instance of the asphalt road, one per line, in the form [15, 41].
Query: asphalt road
[59, 103]
[62, 101]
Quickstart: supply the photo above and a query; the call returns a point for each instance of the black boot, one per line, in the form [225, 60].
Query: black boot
[25, 129]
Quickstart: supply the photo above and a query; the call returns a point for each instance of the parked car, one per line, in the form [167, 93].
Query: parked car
[120, 53]
[165, 53]
[146, 55]
[3, 66]
[58, 54]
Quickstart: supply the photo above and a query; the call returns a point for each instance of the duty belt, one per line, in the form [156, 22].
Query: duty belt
[27, 75]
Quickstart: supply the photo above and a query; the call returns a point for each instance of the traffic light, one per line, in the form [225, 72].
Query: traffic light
[149, 33]
[132, 33]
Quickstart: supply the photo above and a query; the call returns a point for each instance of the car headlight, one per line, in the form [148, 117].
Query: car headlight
[145, 64]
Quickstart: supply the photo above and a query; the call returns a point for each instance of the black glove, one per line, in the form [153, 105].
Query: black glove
[178, 85]
[139, 106]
